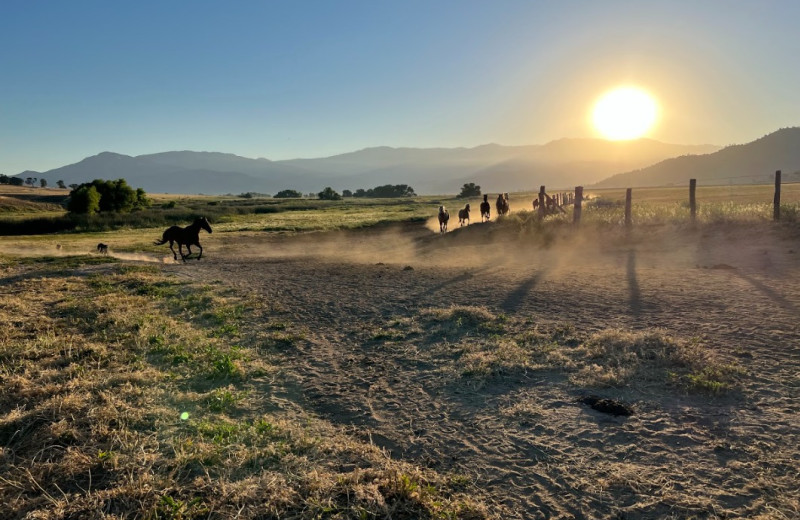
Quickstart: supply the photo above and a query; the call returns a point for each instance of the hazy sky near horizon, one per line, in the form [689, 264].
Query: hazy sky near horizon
[300, 78]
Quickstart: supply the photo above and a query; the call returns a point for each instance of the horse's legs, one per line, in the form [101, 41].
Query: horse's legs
[201, 251]
[189, 250]
[174, 254]
[180, 249]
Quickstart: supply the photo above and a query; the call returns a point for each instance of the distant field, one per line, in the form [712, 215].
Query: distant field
[790, 193]
[19, 199]
[36, 211]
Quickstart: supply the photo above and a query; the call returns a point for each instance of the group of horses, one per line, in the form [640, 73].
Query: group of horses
[463, 214]
[184, 236]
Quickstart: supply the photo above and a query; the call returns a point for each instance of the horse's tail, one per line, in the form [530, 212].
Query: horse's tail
[160, 242]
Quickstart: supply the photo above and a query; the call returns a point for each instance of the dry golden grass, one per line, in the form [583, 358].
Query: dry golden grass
[130, 394]
[616, 358]
[484, 345]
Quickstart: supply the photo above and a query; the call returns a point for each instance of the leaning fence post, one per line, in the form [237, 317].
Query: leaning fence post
[576, 214]
[776, 212]
[692, 200]
[541, 202]
[628, 197]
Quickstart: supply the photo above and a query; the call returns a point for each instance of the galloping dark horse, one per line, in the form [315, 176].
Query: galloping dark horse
[189, 236]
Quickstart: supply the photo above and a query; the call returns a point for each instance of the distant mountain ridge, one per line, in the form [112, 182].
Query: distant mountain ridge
[495, 167]
[754, 162]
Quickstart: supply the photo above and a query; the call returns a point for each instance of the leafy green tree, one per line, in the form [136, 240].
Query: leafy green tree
[347, 193]
[61, 185]
[16, 181]
[84, 199]
[43, 183]
[288, 194]
[115, 196]
[5, 179]
[469, 189]
[142, 200]
[329, 194]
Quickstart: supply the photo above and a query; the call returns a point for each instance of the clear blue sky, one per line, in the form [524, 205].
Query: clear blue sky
[296, 78]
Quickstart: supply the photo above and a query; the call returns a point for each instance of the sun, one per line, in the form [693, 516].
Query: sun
[624, 113]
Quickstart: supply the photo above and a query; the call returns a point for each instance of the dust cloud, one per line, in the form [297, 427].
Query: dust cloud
[65, 251]
[514, 242]
[559, 249]
[141, 257]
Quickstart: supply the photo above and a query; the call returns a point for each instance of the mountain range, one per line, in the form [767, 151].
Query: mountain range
[558, 164]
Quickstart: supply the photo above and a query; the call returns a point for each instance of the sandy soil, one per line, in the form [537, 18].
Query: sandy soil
[522, 437]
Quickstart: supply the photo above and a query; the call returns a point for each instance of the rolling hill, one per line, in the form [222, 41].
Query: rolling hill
[751, 163]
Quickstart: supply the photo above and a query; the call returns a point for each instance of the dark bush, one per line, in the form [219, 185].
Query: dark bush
[469, 189]
[288, 194]
[329, 194]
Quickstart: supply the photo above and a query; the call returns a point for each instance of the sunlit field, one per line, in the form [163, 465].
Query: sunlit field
[343, 359]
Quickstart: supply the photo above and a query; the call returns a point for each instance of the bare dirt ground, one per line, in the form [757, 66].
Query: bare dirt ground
[372, 361]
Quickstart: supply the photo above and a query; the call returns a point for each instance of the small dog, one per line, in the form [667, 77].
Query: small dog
[102, 248]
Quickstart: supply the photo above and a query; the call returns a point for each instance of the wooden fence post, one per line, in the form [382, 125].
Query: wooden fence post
[776, 202]
[628, 197]
[692, 199]
[576, 214]
[541, 202]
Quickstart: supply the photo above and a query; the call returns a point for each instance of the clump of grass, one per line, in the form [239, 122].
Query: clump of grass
[223, 362]
[462, 315]
[280, 341]
[494, 358]
[276, 325]
[715, 379]
[616, 358]
[382, 334]
[459, 320]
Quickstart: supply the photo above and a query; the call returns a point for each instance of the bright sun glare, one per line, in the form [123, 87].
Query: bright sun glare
[624, 113]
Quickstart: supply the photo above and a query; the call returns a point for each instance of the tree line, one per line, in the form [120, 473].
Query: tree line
[85, 199]
[29, 181]
[379, 192]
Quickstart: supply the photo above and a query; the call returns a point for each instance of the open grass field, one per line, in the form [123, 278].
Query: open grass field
[344, 361]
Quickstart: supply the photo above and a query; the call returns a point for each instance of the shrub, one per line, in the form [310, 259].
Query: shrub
[84, 199]
[288, 194]
[469, 189]
[329, 194]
